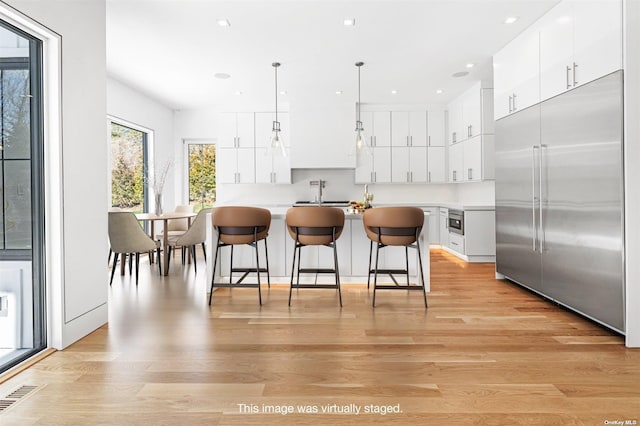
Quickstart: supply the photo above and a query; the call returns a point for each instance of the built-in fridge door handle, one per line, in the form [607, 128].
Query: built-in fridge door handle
[568, 83]
[540, 193]
[534, 229]
[575, 82]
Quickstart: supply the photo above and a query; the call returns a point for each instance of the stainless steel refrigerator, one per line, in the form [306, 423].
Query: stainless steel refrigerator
[559, 199]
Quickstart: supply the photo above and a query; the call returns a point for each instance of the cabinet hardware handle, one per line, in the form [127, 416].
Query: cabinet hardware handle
[407, 141]
[411, 140]
[371, 141]
[411, 176]
[453, 137]
[540, 218]
[470, 174]
[510, 98]
[568, 71]
[429, 176]
[575, 82]
[534, 230]
[514, 102]
[375, 176]
[429, 140]
[454, 175]
[408, 178]
[371, 177]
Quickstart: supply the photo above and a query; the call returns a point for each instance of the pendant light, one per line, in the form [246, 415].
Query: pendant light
[276, 144]
[361, 141]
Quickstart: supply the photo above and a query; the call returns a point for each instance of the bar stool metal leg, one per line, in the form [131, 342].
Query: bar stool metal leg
[266, 255]
[215, 263]
[369, 269]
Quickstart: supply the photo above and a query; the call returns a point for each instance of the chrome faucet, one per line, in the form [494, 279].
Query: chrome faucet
[320, 184]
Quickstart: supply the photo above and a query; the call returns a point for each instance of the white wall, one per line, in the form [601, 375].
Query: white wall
[78, 292]
[129, 105]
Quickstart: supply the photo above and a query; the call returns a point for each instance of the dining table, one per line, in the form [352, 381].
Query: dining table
[165, 218]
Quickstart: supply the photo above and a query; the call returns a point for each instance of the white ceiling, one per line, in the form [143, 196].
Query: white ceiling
[170, 49]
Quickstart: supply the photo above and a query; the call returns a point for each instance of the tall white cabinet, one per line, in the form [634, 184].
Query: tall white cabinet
[470, 135]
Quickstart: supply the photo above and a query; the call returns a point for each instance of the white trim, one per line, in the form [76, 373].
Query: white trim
[53, 177]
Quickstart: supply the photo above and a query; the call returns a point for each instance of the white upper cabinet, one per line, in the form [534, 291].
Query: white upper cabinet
[436, 127]
[516, 74]
[597, 39]
[264, 126]
[576, 42]
[409, 128]
[456, 153]
[409, 164]
[465, 115]
[374, 167]
[456, 121]
[271, 167]
[235, 165]
[436, 164]
[377, 127]
[579, 42]
[236, 130]
[472, 112]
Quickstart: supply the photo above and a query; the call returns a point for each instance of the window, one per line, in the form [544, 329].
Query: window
[22, 300]
[201, 177]
[129, 153]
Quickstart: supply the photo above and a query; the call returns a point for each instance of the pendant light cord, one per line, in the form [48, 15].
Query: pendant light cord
[276, 68]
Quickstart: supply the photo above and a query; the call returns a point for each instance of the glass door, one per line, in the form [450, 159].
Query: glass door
[22, 298]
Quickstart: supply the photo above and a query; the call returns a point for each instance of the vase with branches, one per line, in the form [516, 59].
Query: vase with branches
[157, 181]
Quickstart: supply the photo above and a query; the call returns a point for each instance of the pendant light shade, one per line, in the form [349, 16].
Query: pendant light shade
[361, 140]
[276, 146]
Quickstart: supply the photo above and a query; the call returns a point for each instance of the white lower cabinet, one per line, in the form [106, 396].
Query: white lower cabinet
[444, 227]
[456, 242]
[434, 224]
[480, 232]
[478, 244]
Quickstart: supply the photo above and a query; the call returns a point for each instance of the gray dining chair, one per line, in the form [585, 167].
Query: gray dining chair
[196, 234]
[127, 236]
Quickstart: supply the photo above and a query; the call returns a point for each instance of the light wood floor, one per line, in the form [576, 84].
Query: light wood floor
[485, 352]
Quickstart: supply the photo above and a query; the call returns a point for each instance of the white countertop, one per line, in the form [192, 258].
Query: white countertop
[281, 209]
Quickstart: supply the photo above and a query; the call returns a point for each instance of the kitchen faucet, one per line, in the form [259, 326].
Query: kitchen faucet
[320, 184]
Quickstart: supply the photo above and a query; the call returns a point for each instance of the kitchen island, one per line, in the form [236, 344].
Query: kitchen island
[352, 246]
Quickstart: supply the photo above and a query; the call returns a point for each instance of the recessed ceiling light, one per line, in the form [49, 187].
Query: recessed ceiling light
[222, 75]
[239, 93]
[460, 74]
[223, 22]
[439, 91]
[338, 92]
[350, 22]
[510, 19]
[470, 65]
[393, 92]
[283, 92]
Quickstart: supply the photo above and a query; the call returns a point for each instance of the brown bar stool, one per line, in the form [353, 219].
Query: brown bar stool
[315, 226]
[241, 225]
[394, 226]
